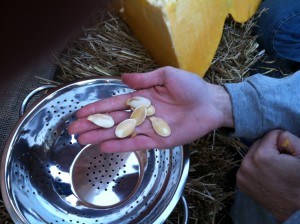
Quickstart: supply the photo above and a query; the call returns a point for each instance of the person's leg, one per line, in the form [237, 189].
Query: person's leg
[278, 28]
[247, 211]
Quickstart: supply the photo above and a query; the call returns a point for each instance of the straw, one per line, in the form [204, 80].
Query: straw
[108, 48]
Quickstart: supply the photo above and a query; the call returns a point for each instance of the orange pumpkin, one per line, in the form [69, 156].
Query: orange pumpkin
[183, 33]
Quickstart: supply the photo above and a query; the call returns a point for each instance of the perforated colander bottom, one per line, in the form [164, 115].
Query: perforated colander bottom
[105, 180]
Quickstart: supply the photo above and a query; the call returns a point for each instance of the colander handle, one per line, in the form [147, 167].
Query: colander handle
[185, 210]
[31, 94]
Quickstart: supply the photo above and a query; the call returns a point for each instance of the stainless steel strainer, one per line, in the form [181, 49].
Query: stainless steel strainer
[48, 177]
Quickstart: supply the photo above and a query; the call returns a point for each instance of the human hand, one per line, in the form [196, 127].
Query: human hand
[191, 107]
[269, 173]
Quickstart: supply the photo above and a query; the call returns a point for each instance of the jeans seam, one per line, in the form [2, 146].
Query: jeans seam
[276, 32]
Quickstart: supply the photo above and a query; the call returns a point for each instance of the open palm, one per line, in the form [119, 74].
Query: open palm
[191, 107]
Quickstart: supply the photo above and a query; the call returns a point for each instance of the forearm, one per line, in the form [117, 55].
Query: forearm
[261, 103]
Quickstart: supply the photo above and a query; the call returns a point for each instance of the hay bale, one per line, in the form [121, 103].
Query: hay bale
[108, 48]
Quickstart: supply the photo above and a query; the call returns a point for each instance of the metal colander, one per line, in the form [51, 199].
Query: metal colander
[48, 177]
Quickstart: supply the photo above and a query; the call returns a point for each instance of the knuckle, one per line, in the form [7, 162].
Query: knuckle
[260, 157]
[240, 180]
[285, 135]
[242, 173]
[168, 67]
[245, 166]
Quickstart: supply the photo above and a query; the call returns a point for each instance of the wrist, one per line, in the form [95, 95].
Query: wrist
[223, 106]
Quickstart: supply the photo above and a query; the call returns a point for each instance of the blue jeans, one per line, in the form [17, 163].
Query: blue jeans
[279, 28]
[246, 211]
[278, 31]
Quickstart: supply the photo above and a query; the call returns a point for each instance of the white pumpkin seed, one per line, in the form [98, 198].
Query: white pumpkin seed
[137, 101]
[101, 120]
[160, 126]
[125, 128]
[150, 110]
[139, 114]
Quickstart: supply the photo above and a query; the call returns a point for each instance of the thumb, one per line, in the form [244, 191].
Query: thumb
[145, 80]
[268, 143]
[288, 143]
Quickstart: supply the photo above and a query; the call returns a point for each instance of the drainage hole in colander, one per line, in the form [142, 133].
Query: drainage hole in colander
[110, 183]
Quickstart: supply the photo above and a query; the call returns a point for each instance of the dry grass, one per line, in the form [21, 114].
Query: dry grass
[210, 186]
[109, 48]
[4, 217]
[236, 55]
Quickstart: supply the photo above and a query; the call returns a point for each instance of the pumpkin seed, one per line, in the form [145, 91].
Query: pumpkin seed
[139, 114]
[137, 101]
[101, 120]
[150, 110]
[160, 126]
[142, 108]
[125, 128]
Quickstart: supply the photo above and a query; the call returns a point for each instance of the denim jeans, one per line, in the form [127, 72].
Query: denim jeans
[279, 28]
[246, 211]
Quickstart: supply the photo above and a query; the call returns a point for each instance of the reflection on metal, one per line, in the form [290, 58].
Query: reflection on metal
[105, 180]
[48, 177]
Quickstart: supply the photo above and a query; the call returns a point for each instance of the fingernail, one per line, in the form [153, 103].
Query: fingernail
[285, 143]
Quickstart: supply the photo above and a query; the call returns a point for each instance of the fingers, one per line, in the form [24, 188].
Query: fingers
[265, 146]
[277, 141]
[83, 125]
[246, 166]
[143, 138]
[288, 143]
[259, 154]
[146, 80]
[269, 141]
[266, 151]
[115, 103]
[252, 149]
[109, 143]
[96, 136]
[100, 135]
[133, 80]
[137, 143]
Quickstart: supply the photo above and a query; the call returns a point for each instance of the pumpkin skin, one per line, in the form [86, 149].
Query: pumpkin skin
[243, 10]
[183, 33]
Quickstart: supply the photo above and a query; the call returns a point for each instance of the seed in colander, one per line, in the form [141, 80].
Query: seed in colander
[101, 120]
[125, 128]
[150, 110]
[160, 126]
[139, 114]
[137, 101]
